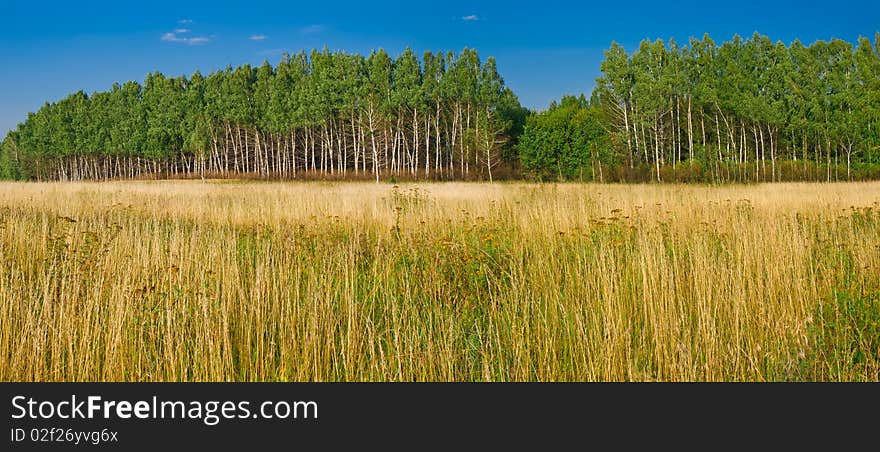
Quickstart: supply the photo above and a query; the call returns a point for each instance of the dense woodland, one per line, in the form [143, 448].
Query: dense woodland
[744, 110]
[323, 114]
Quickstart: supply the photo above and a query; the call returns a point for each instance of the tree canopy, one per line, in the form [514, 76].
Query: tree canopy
[743, 110]
[746, 109]
[321, 114]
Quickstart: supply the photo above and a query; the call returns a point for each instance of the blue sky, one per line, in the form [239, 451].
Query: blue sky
[544, 49]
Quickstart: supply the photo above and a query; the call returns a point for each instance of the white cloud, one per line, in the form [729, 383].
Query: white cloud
[258, 37]
[184, 21]
[198, 40]
[312, 29]
[195, 40]
[182, 30]
[470, 18]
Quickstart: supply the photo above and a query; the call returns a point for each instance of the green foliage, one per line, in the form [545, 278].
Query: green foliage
[567, 141]
[320, 111]
[747, 100]
[7, 164]
[747, 110]
[844, 339]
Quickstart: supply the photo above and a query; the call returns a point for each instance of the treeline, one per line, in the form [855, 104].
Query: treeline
[323, 114]
[747, 110]
[567, 141]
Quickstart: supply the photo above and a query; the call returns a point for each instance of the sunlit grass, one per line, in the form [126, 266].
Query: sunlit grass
[185, 281]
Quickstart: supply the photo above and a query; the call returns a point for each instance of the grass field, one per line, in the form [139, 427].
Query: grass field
[185, 281]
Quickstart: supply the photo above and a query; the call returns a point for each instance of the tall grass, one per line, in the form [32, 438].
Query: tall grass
[184, 281]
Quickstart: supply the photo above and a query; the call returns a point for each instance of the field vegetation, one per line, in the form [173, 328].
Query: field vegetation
[248, 281]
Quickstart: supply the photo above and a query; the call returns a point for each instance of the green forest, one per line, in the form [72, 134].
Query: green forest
[745, 110]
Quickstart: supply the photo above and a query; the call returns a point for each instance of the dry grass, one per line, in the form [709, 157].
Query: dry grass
[184, 281]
